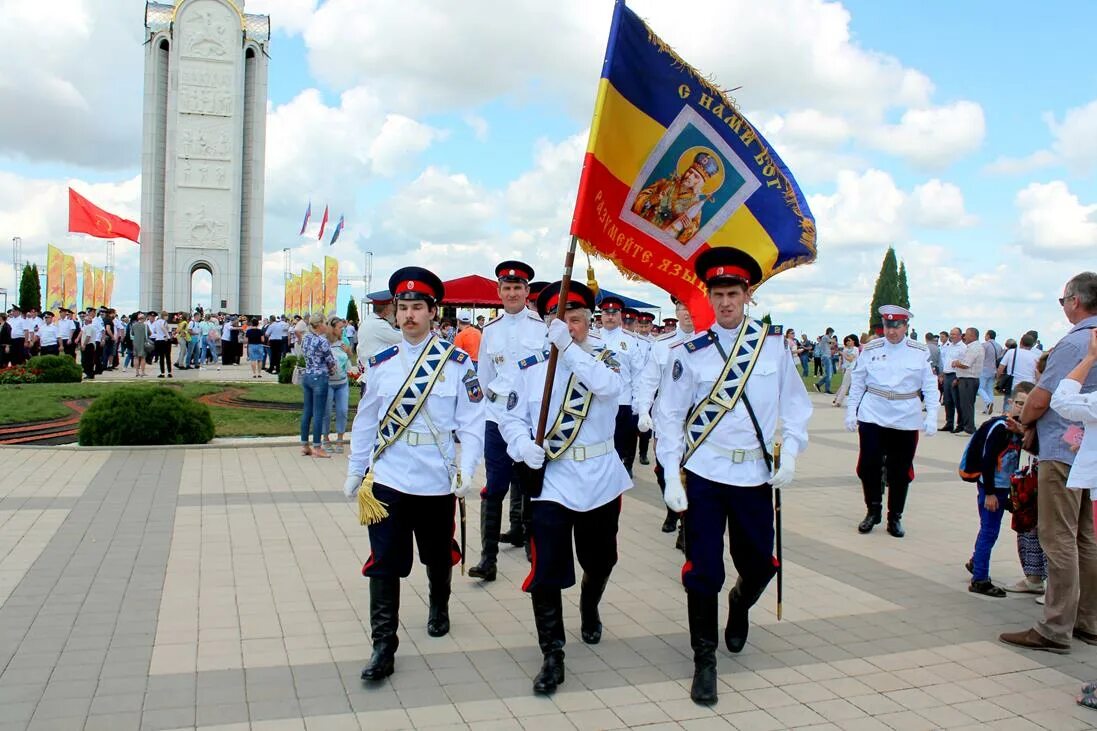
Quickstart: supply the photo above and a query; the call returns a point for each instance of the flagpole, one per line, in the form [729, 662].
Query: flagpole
[554, 353]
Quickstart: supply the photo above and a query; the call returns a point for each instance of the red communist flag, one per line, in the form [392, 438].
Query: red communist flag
[87, 218]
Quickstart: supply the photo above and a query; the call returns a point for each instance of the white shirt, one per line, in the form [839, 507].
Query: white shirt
[656, 364]
[627, 351]
[158, 329]
[91, 333]
[65, 328]
[1071, 404]
[506, 340]
[18, 327]
[47, 334]
[32, 325]
[972, 357]
[899, 368]
[277, 330]
[351, 332]
[585, 485]
[119, 328]
[1025, 360]
[774, 390]
[951, 351]
[420, 470]
[375, 335]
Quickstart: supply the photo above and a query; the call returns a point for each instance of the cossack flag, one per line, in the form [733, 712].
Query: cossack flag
[672, 168]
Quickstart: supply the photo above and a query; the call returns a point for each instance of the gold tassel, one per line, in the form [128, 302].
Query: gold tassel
[370, 509]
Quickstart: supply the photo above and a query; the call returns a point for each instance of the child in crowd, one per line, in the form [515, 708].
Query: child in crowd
[1000, 459]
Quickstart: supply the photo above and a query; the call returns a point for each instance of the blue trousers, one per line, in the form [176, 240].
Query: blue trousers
[315, 387]
[497, 464]
[989, 525]
[429, 519]
[746, 513]
[338, 403]
[595, 533]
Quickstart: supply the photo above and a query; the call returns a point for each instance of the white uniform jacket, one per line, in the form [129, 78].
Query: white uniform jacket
[414, 463]
[578, 484]
[774, 390]
[374, 335]
[629, 353]
[887, 381]
[652, 374]
[506, 340]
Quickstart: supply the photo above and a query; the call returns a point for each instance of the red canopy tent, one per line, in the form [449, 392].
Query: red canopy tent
[472, 291]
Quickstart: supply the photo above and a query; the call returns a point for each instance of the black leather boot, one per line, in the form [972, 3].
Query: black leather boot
[702, 637]
[895, 525]
[680, 542]
[516, 536]
[439, 578]
[548, 615]
[741, 598]
[872, 519]
[670, 524]
[491, 519]
[384, 618]
[590, 594]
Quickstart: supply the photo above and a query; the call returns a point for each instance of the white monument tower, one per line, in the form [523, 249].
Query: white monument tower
[202, 160]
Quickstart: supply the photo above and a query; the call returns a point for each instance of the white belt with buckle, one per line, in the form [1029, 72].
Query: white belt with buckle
[891, 395]
[416, 439]
[738, 456]
[587, 451]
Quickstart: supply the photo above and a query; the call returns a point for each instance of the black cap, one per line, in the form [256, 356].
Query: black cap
[630, 314]
[727, 265]
[416, 283]
[579, 296]
[513, 271]
[47, 313]
[612, 302]
[535, 289]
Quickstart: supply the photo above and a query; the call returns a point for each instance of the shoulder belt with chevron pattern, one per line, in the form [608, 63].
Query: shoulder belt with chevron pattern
[729, 386]
[413, 393]
[573, 412]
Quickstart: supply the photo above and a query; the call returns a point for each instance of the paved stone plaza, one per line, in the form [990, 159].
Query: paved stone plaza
[220, 588]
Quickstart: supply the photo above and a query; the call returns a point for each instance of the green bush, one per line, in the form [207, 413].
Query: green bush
[55, 369]
[143, 415]
[285, 370]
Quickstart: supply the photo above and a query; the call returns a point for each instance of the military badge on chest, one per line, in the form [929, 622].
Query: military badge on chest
[472, 387]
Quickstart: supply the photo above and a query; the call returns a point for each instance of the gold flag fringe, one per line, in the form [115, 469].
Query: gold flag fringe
[370, 510]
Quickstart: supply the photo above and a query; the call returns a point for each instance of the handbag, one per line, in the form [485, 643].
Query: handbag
[298, 375]
[1005, 381]
[1022, 497]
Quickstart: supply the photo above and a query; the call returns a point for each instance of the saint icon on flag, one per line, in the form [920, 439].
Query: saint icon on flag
[691, 183]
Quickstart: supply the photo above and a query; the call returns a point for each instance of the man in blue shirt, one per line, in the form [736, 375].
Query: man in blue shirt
[1065, 515]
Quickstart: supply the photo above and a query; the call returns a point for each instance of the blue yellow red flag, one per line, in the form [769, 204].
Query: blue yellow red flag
[672, 168]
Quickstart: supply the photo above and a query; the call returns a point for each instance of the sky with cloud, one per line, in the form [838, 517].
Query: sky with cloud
[451, 135]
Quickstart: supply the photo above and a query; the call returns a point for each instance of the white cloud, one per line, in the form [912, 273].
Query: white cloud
[478, 125]
[70, 82]
[1054, 223]
[1005, 165]
[1075, 137]
[441, 208]
[545, 195]
[933, 137]
[286, 16]
[936, 204]
[866, 210]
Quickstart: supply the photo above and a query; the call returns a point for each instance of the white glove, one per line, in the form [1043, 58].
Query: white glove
[930, 427]
[461, 485]
[559, 335]
[533, 455]
[851, 422]
[644, 423]
[350, 487]
[675, 494]
[785, 473]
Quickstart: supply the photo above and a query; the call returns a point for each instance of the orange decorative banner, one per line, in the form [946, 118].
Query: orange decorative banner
[305, 283]
[87, 292]
[97, 288]
[70, 283]
[317, 290]
[331, 284]
[108, 288]
[55, 278]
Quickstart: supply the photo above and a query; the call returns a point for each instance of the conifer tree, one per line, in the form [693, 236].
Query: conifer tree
[30, 289]
[904, 291]
[352, 311]
[886, 291]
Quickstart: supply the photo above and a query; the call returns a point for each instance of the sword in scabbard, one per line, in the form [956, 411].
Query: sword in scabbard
[777, 531]
[461, 508]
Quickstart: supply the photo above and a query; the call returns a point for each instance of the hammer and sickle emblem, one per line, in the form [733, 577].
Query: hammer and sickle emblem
[103, 224]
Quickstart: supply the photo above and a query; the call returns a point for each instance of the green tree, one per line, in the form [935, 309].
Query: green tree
[352, 311]
[30, 289]
[904, 291]
[886, 291]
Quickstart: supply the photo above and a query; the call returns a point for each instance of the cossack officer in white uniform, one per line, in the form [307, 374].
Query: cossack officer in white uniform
[716, 417]
[626, 349]
[890, 383]
[419, 394]
[657, 364]
[580, 493]
[507, 339]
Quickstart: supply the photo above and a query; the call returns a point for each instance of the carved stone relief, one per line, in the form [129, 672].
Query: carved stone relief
[211, 31]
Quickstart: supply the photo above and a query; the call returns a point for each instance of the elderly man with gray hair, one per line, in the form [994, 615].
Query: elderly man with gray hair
[1065, 515]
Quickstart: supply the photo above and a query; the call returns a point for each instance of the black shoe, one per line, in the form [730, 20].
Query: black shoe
[384, 610]
[439, 578]
[644, 459]
[970, 567]
[485, 570]
[872, 519]
[818, 387]
[515, 536]
[895, 526]
[986, 588]
[670, 524]
[702, 636]
[591, 622]
[680, 542]
[735, 633]
[948, 427]
[548, 616]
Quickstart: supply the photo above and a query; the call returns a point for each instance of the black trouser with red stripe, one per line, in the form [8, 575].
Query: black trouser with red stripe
[884, 449]
[427, 518]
